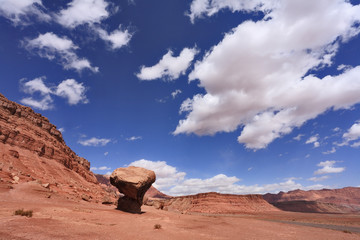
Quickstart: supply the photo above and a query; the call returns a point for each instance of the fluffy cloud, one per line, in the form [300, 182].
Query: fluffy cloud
[52, 47]
[314, 139]
[103, 168]
[256, 77]
[175, 93]
[73, 91]
[169, 67]
[171, 181]
[353, 133]
[333, 150]
[134, 138]
[92, 12]
[94, 142]
[19, 11]
[201, 8]
[117, 39]
[166, 175]
[44, 103]
[318, 179]
[35, 85]
[81, 12]
[298, 137]
[328, 167]
[70, 89]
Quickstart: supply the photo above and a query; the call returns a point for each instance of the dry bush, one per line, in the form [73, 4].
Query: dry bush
[157, 226]
[22, 212]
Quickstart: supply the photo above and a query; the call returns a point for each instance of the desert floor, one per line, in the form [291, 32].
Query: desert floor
[55, 217]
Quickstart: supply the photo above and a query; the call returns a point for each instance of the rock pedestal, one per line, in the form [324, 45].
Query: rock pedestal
[133, 182]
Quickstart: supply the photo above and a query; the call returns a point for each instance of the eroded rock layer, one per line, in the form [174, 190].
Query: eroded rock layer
[344, 200]
[33, 149]
[216, 203]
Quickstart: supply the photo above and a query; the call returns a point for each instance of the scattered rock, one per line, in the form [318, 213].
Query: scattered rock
[16, 179]
[85, 198]
[133, 182]
[107, 200]
[14, 153]
[46, 185]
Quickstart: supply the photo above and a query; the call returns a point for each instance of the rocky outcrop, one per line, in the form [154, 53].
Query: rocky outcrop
[216, 203]
[20, 126]
[153, 193]
[345, 200]
[133, 182]
[33, 149]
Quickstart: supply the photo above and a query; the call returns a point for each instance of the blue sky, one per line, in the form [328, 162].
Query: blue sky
[229, 96]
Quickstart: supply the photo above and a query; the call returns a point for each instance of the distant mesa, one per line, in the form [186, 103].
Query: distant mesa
[344, 200]
[215, 203]
[133, 182]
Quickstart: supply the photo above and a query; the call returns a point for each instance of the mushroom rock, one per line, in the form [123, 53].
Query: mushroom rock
[133, 182]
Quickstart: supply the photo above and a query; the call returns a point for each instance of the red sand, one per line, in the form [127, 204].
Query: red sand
[59, 218]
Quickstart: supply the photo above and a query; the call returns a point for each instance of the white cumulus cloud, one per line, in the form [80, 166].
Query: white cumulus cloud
[173, 182]
[80, 12]
[62, 49]
[134, 138]
[353, 133]
[70, 89]
[169, 67]
[117, 39]
[19, 11]
[166, 175]
[73, 91]
[103, 168]
[313, 139]
[256, 77]
[94, 142]
[201, 8]
[44, 103]
[333, 150]
[328, 167]
[318, 179]
[175, 93]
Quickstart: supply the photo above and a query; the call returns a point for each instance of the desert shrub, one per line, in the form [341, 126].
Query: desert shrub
[22, 212]
[157, 226]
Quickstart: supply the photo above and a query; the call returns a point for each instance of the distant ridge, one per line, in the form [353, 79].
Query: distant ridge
[344, 200]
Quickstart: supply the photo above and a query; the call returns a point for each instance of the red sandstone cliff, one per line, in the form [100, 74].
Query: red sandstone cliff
[216, 203]
[32, 149]
[345, 200]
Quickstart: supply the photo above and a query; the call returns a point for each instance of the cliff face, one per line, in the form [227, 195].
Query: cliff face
[345, 200]
[216, 203]
[20, 126]
[32, 149]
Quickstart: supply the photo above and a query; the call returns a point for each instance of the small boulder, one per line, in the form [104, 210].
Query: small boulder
[133, 182]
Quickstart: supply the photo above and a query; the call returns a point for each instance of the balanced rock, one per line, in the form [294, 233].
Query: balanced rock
[133, 182]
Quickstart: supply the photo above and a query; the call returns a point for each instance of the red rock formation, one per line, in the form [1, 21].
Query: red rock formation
[32, 149]
[152, 193]
[216, 203]
[345, 200]
[133, 182]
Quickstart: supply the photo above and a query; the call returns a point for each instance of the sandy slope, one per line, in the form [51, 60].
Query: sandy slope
[59, 218]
